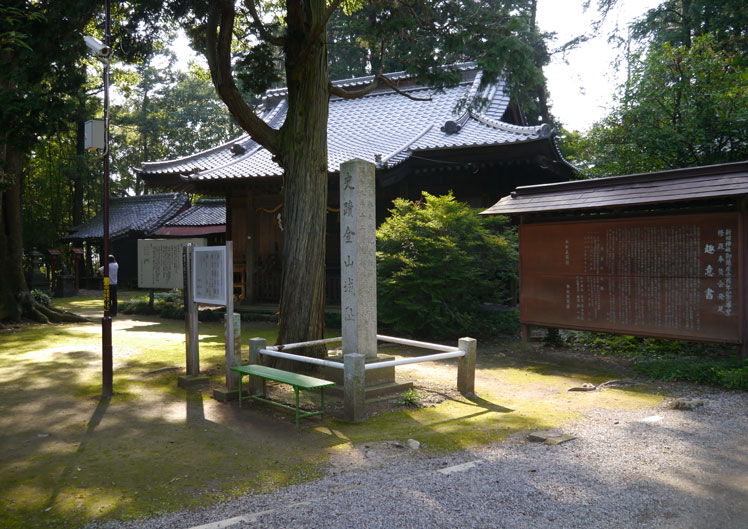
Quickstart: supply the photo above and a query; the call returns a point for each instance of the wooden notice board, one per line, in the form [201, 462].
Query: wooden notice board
[670, 276]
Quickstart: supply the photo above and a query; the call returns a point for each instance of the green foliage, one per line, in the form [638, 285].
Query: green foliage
[41, 298]
[167, 114]
[678, 23]
[576, 148]
[683, 105]
[672, 360]
[726, 373]
[411, 398]
[256, 69]
[437, 261]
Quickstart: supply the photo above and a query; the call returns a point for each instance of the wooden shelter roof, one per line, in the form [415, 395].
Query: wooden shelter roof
[678, 185]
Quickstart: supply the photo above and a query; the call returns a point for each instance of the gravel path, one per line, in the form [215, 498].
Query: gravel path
[676, 469]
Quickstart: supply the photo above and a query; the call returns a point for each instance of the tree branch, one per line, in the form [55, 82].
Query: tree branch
[378, 82]
[260, 27]
[218, 53]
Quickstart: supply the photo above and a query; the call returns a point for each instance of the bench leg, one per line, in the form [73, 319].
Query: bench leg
[241, 376]
[296, 390]
[322, 401]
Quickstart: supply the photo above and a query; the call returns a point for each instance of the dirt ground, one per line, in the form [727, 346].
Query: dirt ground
[68, 457]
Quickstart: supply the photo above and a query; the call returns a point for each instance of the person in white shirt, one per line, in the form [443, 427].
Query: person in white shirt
[113, 269]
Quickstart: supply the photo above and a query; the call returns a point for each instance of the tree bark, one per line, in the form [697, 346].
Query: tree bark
[12, 280]
[303, 147]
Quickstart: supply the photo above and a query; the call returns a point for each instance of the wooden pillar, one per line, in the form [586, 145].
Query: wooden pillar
[238, 215]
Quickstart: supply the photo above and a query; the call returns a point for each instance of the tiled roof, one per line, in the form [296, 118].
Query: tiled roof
[677, 185]
[204, 212]
[138, 214]
[383, 127]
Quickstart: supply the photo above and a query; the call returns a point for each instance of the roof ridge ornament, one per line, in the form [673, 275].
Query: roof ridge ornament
[454, 126]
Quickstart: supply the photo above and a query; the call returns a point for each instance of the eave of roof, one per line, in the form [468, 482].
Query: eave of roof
[383, 127]
[677, 185]
[138, 214]
[189, 231]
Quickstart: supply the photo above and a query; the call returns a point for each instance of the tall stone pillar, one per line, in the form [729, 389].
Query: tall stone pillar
[358, 262]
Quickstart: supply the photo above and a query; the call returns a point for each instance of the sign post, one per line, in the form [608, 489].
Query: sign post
[212, 275]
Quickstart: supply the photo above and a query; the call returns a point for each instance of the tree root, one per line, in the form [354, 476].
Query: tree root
[36, 311]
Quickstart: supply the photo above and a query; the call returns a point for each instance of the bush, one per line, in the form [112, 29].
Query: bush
[41, 298]
[438, 260]
[671, 360]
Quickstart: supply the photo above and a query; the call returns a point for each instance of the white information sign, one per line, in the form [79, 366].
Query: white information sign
[160, 262]
[209, 281]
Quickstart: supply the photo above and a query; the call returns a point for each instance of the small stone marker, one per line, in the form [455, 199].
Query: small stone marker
[584, 387]
[549, 437]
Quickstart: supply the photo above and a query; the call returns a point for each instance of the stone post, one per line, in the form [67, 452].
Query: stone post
[232, 378]
[466, 366]
[354, 386]
[256, 385]
[358, 262]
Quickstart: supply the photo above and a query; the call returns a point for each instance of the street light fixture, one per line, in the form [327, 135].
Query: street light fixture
[101, 51]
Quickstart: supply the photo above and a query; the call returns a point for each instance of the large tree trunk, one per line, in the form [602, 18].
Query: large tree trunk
[12, 281]
[15, 299]
[303, 143]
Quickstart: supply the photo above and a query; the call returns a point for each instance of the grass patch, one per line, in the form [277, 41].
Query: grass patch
[68, 457]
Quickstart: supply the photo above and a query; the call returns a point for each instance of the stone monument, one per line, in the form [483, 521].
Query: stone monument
[358, 276]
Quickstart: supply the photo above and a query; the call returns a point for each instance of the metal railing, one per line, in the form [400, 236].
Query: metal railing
[447, 352]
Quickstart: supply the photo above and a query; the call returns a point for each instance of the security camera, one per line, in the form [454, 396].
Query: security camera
[99, 49]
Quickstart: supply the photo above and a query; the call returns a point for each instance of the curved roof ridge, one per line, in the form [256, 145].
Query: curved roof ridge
[453, 126]
[541, 131]
[175, 161]
[272, 114]
[238, 159]
[384, 160]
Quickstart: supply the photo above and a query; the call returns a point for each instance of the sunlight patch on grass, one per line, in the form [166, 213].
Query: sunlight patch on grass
[154, 447]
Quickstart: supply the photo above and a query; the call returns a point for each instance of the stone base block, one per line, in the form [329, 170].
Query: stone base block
[224, 395]
[378, 382]
[192, 381]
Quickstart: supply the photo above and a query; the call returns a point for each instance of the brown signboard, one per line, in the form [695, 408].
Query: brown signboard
[670, 276]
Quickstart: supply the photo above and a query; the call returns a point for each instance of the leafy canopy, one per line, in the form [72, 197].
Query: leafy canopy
[685, 106]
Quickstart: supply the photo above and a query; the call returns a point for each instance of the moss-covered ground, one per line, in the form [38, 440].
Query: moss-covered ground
[68, 457]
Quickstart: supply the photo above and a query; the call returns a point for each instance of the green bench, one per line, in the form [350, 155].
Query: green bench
[285, 377]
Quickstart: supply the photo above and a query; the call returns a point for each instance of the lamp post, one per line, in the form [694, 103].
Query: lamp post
[102, 51]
